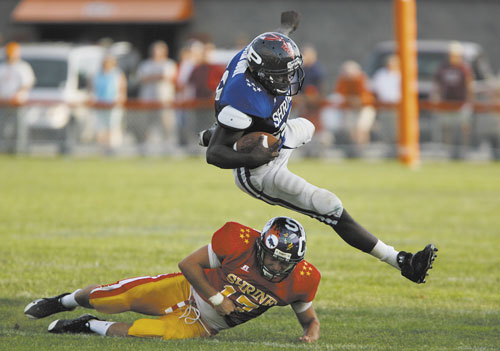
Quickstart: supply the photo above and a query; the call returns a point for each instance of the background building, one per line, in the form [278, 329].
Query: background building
[341, 29]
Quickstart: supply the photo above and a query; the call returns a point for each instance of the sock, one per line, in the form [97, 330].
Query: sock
[100, 327]
[69, 301]
[385, 253]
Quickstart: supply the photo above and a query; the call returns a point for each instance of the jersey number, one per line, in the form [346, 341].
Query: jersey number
[242, 299]
[220, 87]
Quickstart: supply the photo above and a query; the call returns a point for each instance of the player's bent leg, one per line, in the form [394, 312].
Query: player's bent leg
[168, 327]
[119, 329]
[77, 325]
[296, 193]
[65, 302]
[275, 184]
[416, 266]
[82, 297]
[325, 202]
[46, 306]
[89, 324]
[298, 131]
[145, 295]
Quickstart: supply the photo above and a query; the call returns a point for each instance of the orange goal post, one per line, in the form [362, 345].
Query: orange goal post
[405, 28]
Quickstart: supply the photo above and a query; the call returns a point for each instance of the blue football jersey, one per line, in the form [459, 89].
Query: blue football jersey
[241, 91]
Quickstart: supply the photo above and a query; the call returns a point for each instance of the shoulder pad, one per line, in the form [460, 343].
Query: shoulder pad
[234, 119]
[233, 238]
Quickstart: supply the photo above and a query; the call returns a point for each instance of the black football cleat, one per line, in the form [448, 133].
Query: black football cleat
[77, 325]
[415, 266]
[45, 307]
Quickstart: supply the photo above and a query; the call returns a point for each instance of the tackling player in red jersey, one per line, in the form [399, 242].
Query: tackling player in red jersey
[237, 277]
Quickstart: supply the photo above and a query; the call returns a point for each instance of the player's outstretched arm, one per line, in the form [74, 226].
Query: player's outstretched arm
[220, 151]
[310, 324]
[289, 22]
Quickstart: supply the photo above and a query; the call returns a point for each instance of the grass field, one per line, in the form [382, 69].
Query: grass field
[66, 223]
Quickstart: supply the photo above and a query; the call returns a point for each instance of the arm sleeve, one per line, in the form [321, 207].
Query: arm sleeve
[300, 306]
[212, 256]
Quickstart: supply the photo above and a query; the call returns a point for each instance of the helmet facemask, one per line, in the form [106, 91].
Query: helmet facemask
[269, 273]
[287, 83]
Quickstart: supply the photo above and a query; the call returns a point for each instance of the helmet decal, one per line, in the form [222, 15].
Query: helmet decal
[253, 56]
[271, 36]
[271, 241]
[280, 254]
[288, 48]
[284, 45]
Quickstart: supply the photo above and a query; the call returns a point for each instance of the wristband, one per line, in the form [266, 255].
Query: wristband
[217, 299]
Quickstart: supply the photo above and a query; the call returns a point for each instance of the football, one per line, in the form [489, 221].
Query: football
[249, 141]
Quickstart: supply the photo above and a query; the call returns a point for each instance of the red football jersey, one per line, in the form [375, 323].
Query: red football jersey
[239, 277]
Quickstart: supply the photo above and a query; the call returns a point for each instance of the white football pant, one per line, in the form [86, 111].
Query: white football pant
[276, 185]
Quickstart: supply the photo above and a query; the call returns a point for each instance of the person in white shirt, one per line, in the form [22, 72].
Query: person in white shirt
[16, 75]
[386, 86]
[16, 80]
[386, 82]
[157, 84]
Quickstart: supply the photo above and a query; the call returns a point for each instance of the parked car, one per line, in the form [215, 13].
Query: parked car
[430, 55]
[56, 109]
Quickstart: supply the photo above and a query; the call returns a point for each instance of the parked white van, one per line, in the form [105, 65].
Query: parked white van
[56, 108]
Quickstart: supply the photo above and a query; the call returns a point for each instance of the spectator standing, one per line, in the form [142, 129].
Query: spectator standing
[109, 92]
[156, 77]
[358, 113]
[314, 72]
[309, 100]
[185, 91]
[386, 86]
[386, 82]
[453, 83]
[204, 79]
[16, 81]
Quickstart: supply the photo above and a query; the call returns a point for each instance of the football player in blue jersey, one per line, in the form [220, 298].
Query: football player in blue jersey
[255, 94]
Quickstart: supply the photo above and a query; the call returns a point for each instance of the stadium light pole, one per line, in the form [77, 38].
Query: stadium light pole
[405, 19]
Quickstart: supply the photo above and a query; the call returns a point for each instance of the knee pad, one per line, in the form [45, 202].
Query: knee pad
[326, 203]
[290, 183]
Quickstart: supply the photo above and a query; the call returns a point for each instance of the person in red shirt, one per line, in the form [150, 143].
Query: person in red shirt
[453, 85]
[237, 277]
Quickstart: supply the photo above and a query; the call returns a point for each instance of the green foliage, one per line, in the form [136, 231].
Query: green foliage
[66, 223]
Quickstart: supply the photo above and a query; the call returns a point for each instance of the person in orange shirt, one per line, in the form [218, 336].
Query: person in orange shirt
[358, 113]
[16, 81]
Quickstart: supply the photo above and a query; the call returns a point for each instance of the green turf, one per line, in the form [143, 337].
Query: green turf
[66, 223]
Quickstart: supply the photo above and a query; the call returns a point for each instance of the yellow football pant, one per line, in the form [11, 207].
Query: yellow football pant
[151, 296]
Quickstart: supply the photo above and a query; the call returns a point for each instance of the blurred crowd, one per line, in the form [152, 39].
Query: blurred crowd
[361, 110]
[169, 100]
